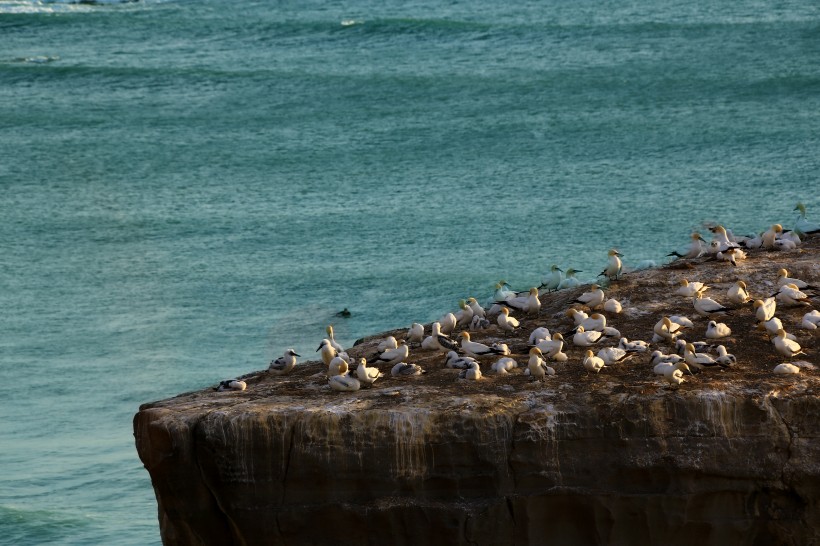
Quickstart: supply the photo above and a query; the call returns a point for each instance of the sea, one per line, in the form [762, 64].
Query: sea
[188, 189]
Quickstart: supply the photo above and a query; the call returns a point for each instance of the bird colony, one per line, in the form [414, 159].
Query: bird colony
[723, 308]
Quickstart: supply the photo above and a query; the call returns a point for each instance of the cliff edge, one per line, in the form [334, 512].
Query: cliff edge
[729, 457]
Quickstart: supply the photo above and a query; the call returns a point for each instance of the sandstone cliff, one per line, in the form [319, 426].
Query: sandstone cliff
[729, 457]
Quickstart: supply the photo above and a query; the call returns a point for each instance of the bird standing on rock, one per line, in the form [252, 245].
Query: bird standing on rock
[614, 265]
[284, 364]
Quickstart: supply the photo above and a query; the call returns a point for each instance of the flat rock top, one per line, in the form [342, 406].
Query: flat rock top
[646, 296]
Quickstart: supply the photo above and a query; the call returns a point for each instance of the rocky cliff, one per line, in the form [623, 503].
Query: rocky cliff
[729, 457]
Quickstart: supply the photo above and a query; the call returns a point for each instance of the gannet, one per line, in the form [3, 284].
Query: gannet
[332, 340]
[284, 364]
[753, 243]
[783, 279]
[506, 322]
[447, 323]
[613, 306]
[337, 366]
[476, 307]
[698, 360]
[537, 366]
[367, 376]
[707, 306]
[689, 289]
[658, 357]
[668, 330]
[593, 298]
[231, 385]
[770, 235]
[479, 323]
[811, 320]
[803, 226]
[416, 333]
[636, 346]
[552, 280]
[551, 347]
[394, 356]
[592, 363]
[403, 369]
[785, 243]
[791, 295]
[570, 281]
[582, 338]
[475, 349]
[559, 357]
[455, 361]
[613, 355]
[717, 330]
[786, 368]
[576, 315]
[328, 352]
[502, 291]
[721, 236]
[472, 373]
[737, 293]
[785, 346]
[388, 343]
[595, 321]
[731, 255]
[344, 382]
[674, 374]
[439, 341]
[680, 346]
[771, 326]
[694, 250]
[613, 266]
[465, 315]
[504, 365]
[529, 304]
[724, 358]
[538, 335]
[682, 320]
[764, 309]
[501, 348]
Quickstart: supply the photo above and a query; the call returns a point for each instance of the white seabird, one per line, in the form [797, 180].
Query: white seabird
[593, 298]
[576, 315]
[613, 306]
[504, 365]
[707, 306]
[472, 373]
[339, 349]
[694, 249]
[501, 348]
[476, 307]
[475, 349]
[538, 335]
[657, 357]
[529, 304]
[582, 338]
[786, 368]
[783, 279]
[328, 352]
[682, 320]
[613, 355]
[689, 289]
[595, 321]
[731, 255]
[231, 385]
[388, 343]
[717, 330]
[771, 326]
[668, 330]
[721, 236]
[506, 322]
[803, 226]
[698, 361]
[416, 333]
[394, 356]
[367, 376]
[458, 362]
[724, 358]
[770, 235]
[448, 323]
[403, 369]
[791, 295]
[680, 346]
[786, 243]
[479, 323]
[438, 341]
[344, 382]
[537, 366]
[737, 293]
[593, 363]
[284, 364]
[569, 280]
[674, 374]
[337, 366]
[551, 347]
[465, 315]
[764, 309]
[614, 266]
[785, 346]
[811, 320]
[636, 346]
[552, 280]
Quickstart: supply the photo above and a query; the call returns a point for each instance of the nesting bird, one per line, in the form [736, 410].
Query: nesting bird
[791, 295]
[472, 373]
[367, 376]
[537, 366]
[416, 333]
[284, 364]
[582, 338]
[737, 293]
[707, 306]
[403, 369]
[231, 385]
[764, 309]
[785, 346]
[475, 349]
[593, 298]
[717, 330]
[592, 363]
[689, 289]
[344, 382]
[506, 322]
[570, 281]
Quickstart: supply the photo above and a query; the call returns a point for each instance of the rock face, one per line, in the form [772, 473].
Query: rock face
[729, 457]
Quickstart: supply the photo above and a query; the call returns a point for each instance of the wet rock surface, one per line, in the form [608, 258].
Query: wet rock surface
[730, 457]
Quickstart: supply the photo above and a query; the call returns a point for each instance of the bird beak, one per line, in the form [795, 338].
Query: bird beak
[317, 349]
[701, 239]
[559, 269]
[579, 271]
[296, 354]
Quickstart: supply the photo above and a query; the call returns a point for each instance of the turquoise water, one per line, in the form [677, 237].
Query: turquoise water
[189, 188]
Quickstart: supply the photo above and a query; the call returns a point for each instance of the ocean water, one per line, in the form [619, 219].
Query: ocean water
[190, 188]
